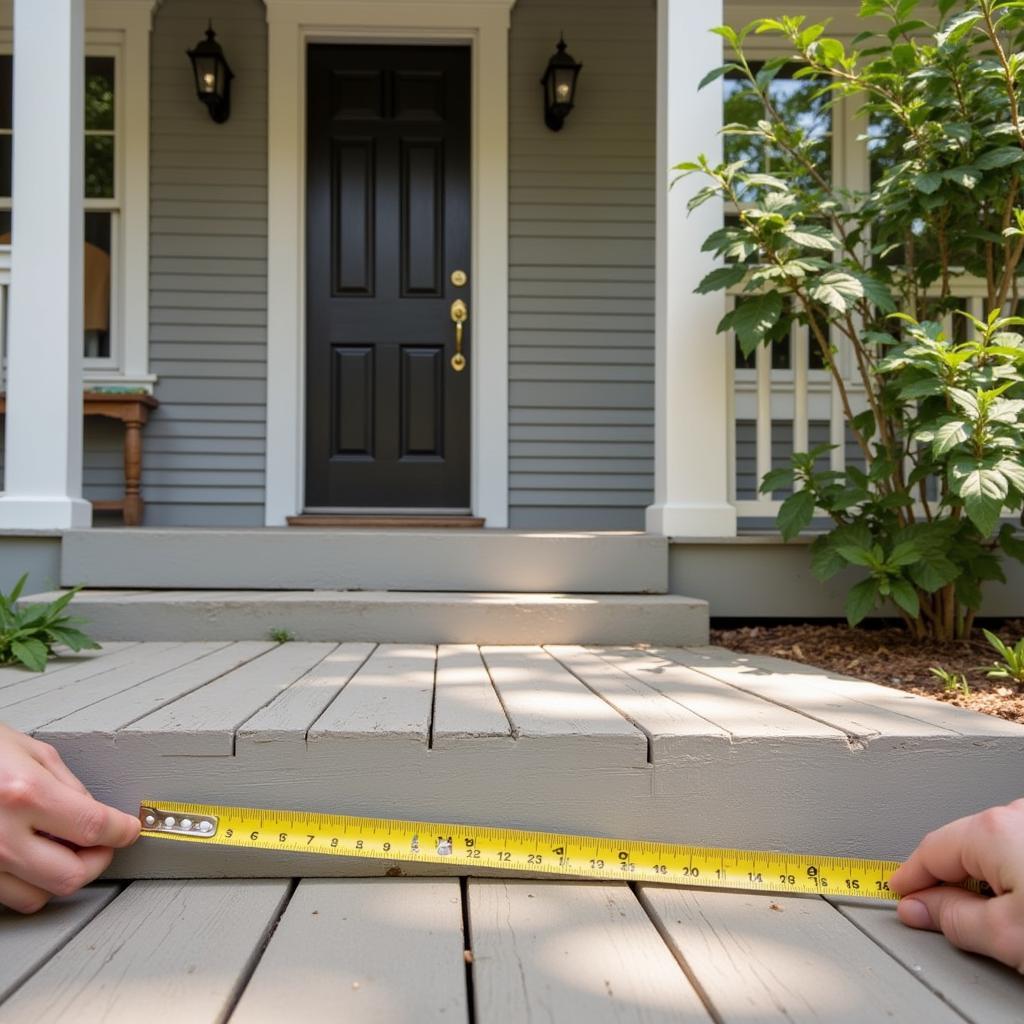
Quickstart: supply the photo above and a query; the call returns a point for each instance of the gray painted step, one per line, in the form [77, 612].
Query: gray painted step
[577, 562]
[595, 741]
[392, 617]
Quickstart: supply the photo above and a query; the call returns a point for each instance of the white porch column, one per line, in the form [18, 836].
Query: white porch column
[43, 454]
[691, 407]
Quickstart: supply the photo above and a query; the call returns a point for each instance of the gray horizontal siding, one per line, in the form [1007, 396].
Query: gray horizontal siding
[205, 447]
[581, 276]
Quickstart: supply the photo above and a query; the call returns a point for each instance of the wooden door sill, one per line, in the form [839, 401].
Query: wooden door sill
[384, 522]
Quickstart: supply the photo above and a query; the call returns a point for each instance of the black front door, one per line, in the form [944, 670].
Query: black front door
[387, 414]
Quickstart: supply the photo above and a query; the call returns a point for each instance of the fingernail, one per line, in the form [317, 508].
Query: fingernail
[915, 914]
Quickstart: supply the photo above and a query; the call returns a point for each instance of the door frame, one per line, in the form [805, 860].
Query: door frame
[483, 25]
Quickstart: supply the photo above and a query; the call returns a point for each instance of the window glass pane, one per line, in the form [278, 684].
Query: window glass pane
[799, 106]
[5, 165]
[6, 91]
[99, 166]
[99, 93]
[96, 260]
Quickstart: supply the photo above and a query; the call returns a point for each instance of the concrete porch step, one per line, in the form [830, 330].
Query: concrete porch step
[391, 616]
[569, 562]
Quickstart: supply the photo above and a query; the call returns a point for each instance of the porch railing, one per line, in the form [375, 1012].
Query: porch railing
[777, 411]
[5, 294]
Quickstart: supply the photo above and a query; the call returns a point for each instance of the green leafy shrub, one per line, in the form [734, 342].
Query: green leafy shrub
[938, 419]
[29, 634]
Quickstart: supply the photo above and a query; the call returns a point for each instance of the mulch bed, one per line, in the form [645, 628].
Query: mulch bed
[891, 657]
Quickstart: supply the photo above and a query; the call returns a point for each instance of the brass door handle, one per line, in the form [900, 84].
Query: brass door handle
[459, 315]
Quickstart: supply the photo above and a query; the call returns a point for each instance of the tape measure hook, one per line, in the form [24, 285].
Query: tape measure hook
[154, 819]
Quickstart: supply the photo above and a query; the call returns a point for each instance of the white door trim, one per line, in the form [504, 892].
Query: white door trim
[483, 25]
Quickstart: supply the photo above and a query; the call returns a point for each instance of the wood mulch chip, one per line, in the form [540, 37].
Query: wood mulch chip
[891, 657]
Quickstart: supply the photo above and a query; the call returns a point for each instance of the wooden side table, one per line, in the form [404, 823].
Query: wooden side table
[133, 411]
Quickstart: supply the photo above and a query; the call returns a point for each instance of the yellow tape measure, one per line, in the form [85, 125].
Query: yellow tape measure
[511, 849]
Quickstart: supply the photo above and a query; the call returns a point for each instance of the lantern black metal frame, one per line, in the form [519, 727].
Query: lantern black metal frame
[212, 76]
[559, 83]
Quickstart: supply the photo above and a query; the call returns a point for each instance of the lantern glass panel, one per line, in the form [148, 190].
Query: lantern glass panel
[563, 81]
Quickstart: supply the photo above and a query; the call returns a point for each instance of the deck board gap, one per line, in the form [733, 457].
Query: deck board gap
[195, 689]
[625, 714]
[855, 741]
[433, 702]
[274, 696]
[254, 961]
[369, 654]
[687, 970]
[467, 946]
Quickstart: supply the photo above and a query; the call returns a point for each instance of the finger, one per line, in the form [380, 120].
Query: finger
[972, 847]
[55, 868]
[81, 820]
[21, 897]
[968, 920]
[48, 757]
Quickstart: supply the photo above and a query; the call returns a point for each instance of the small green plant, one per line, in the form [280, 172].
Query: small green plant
[952, 682]
[1013, 659]
[280, 635]
[29, 634]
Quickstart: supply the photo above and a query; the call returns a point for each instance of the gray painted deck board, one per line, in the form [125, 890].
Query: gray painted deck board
[26, 943]
[759, 959]
[980, 989]
[204, 721]
[390, 697]
[122, 709]
[27, 685]
[859, 708]
[12, 674]
[671, 728]
[289, 716]
[545, 701]
[180, 950]
[385, 950]
[571, 952]
[35, 712]
[466, 705]
[740, 714]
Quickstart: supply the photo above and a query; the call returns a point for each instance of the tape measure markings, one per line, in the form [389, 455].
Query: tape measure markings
[520, 850]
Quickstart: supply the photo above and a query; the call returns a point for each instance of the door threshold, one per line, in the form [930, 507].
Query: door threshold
[388, 522]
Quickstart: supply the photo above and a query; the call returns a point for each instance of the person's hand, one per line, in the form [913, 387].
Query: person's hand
[989, 847]
[54, 837]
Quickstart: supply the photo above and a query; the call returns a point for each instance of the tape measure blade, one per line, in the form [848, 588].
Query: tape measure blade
[471, 848]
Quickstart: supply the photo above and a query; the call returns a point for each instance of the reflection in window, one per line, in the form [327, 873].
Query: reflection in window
[798, 104]
[100, 192]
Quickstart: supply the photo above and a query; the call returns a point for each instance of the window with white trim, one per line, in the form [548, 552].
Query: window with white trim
[102, 337]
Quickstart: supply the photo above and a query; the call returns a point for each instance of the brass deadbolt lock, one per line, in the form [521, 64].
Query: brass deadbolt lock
[459, 278]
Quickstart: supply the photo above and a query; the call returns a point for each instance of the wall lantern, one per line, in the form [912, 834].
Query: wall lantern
[213, 76]
[559, 84]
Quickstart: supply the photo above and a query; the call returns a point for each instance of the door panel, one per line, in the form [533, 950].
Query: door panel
[387, 223]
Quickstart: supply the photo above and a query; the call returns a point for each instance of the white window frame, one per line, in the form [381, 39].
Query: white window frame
[121, 29]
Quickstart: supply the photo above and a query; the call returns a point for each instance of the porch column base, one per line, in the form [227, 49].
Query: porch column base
[692, 520]
[62, 513]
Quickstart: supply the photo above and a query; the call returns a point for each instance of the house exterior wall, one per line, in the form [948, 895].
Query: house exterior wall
[204, 446]
[581, 290]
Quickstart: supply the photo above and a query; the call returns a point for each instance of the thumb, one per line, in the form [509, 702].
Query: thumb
[963, 917]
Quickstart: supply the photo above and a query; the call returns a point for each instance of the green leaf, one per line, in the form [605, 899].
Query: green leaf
[717, 73]
[857, 555]
[73, 638]
[837, 290]
[933, 571]
[928, 182]
[983, 490]
[13, 596]
[808, 239]
[723, 277]
[906, 597]
[1002, 157]
[796, 514]
[877, 293]
[31, 653]
[956, 28]
[949, 435]
[776, 480]
[861, 599]
[825, 560]
[905, 553]
[968, 177]
[753, 319]
[1011, 543]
